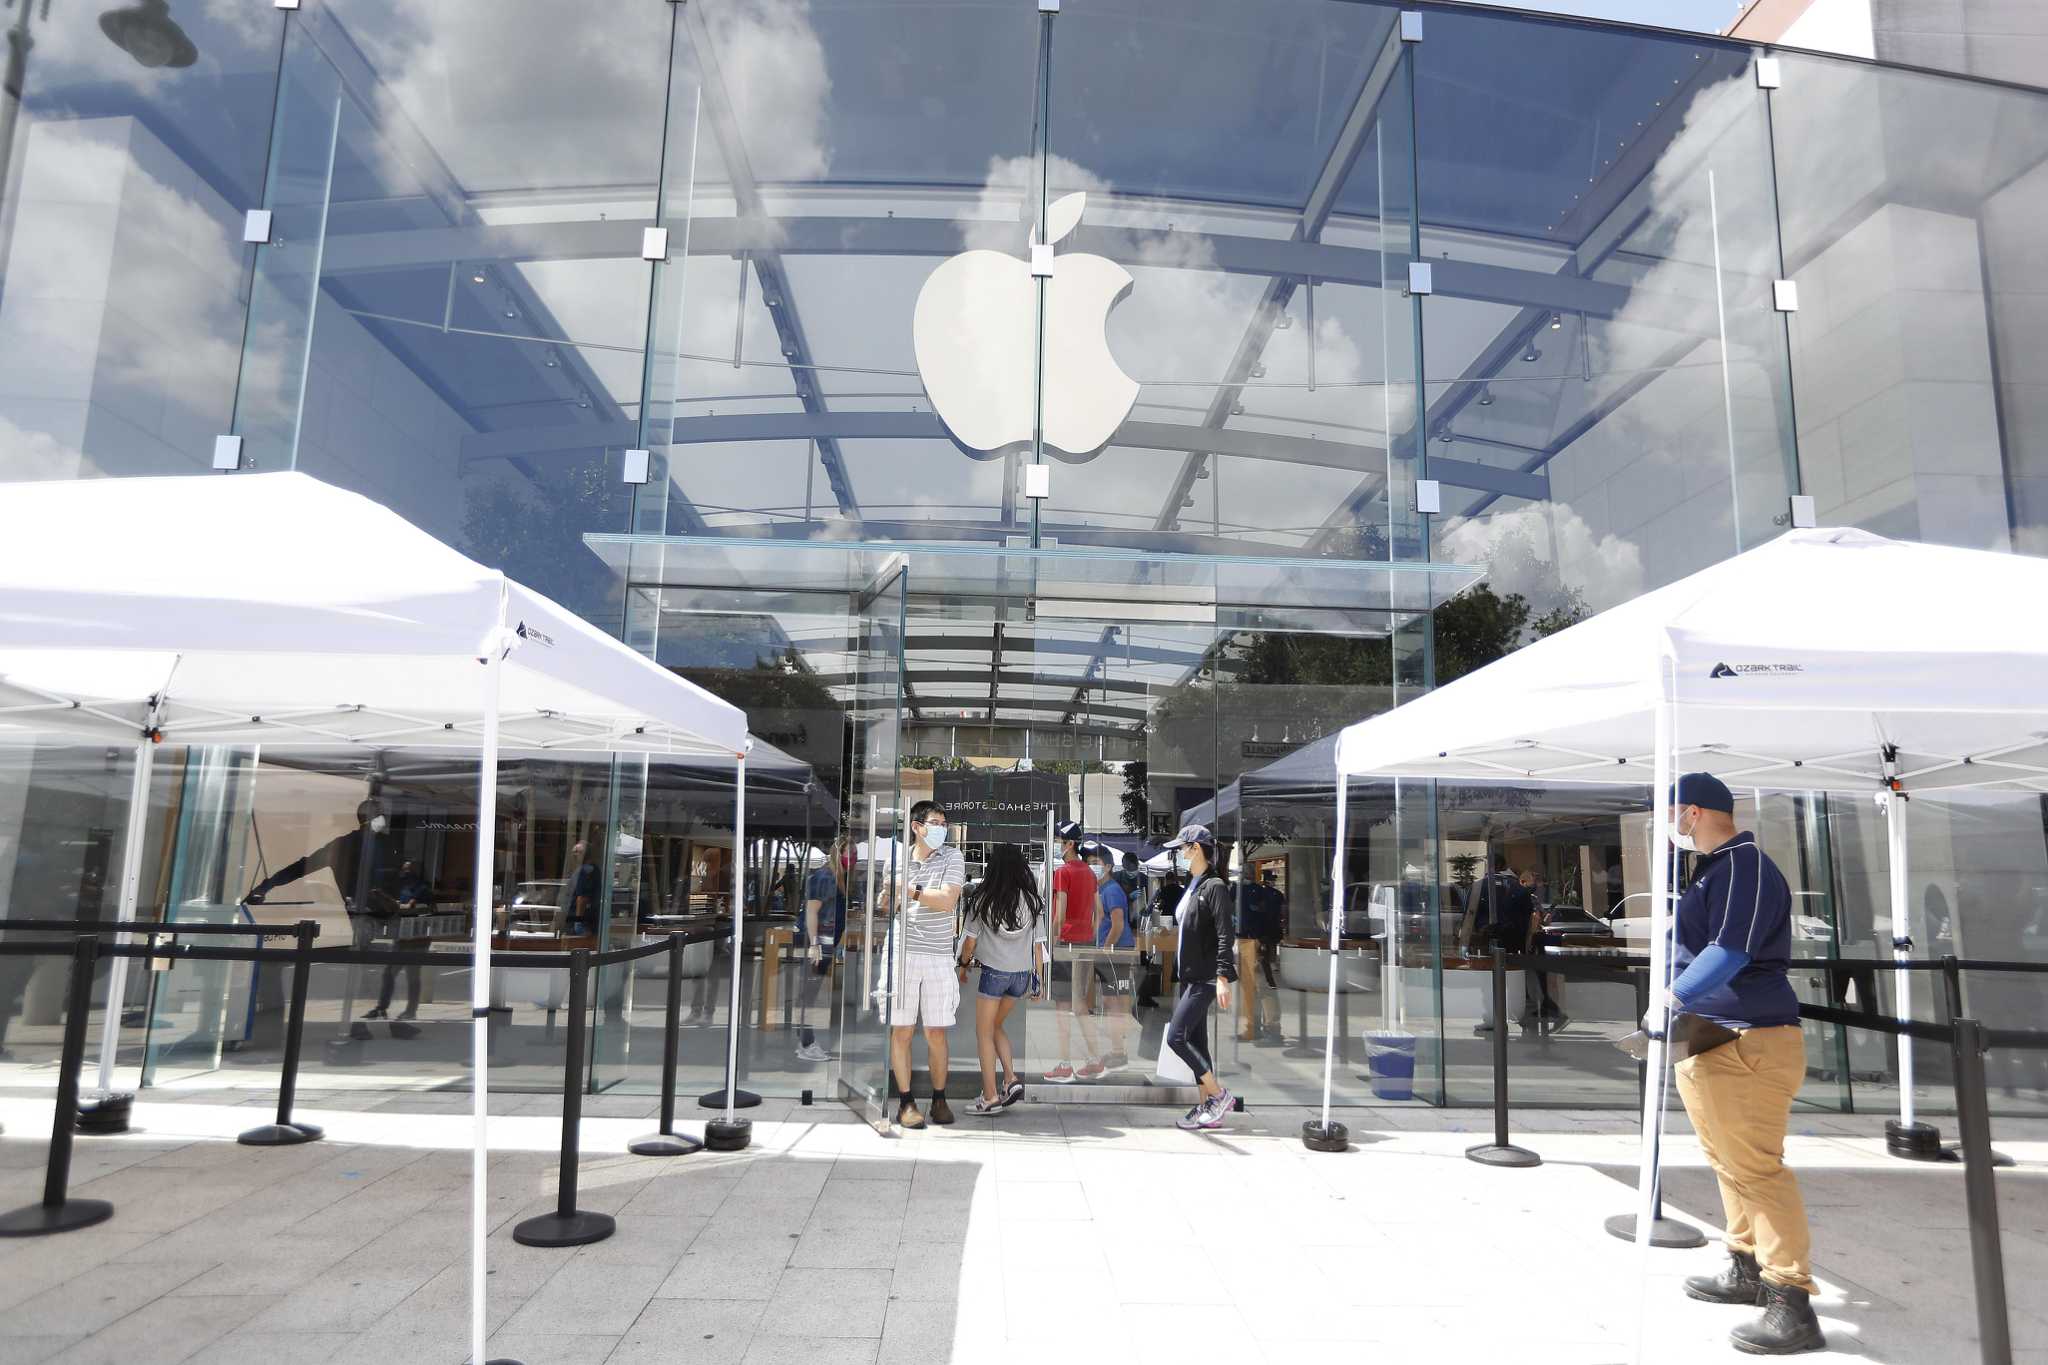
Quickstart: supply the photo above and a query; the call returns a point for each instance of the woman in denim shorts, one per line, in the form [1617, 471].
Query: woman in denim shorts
[1004, 927]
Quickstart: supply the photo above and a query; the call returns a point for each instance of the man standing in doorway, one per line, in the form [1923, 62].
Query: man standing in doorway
[1732, 949]
[929, 991]
[1112, 976]
[579, 893]
[1073, 911]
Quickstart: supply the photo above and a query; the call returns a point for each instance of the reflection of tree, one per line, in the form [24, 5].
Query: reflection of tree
[1136, 798]
[533, 530]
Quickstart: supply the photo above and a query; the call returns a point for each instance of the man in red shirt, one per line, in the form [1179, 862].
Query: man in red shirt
[1073, 910]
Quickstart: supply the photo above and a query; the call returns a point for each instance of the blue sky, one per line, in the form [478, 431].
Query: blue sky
[1707, 15]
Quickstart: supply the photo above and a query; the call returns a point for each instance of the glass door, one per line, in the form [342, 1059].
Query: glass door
[872, 960]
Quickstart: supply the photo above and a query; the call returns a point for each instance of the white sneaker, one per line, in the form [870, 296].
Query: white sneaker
[811, 1052]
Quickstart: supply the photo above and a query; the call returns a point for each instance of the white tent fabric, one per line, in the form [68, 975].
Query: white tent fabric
[275, 609]
[1829, 660]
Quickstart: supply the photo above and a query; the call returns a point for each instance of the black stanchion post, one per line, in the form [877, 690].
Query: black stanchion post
[668, 1142]
[1501, 1152]
[285, 1132]
[1987, 1256]
[1667, 1233]
[57, 1212]
[569, 1226]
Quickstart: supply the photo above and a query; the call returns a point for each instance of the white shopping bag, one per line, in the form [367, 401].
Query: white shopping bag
[1170, 1069]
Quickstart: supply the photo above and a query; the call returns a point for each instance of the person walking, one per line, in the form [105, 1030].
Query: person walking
[1111, 983]
[1004, 926]
[929, 992]
[1207, 967]
[1732, 949]
[823, 925]
[1073, 910]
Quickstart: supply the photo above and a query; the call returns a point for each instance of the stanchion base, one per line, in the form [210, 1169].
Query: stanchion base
[103, 1113]
[722, 1135]
[1915, 1142]
[741, 1099]
[564, 1229]
[1302, 1051]
[40, 1220]
[1502, 1154]
[1667, 1233]
[280, 1135]
[1330, 1137]
[664, 1144]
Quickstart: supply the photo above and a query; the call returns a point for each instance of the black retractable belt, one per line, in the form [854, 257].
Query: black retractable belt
[58, 1212]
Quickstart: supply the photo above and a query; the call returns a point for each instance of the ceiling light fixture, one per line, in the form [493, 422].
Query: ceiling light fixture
[1532, 355]
[1485, 398]
[1556, 321]
[146, 32]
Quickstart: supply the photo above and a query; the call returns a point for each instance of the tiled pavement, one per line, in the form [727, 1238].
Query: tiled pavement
[1077, 1234]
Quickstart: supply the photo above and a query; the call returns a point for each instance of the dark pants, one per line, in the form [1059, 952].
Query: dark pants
[1187, 1033]
[412, 987]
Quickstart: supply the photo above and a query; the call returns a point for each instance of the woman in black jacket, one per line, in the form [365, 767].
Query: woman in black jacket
[1207, 965]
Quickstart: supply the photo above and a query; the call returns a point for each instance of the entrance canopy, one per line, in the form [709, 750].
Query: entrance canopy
[273, 608]
[1825, 660]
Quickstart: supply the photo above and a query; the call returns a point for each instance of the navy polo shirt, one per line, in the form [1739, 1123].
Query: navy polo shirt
[1740, 900]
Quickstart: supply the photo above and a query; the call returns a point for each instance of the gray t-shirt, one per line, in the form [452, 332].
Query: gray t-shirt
[1007, 950]
[931, 931]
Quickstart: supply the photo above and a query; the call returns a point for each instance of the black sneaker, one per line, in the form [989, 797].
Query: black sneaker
[1787, 1327]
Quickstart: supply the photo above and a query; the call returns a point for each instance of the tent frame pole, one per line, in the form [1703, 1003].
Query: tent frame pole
[1663, 761]
[131, 889]
[480, 982]
[731, 1134]
[1905, 1136]
[1324, 1136]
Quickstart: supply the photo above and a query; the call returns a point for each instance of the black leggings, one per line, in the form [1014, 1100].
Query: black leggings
[1187, 1033]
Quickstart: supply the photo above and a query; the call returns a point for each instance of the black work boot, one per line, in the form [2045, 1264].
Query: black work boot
[942, 1113]
[1740, 1281]
[1787, 1327]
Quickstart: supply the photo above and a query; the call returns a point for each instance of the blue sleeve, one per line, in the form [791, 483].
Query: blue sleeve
[1714, 968]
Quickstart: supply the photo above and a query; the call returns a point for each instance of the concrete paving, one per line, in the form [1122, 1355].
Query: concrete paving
[1080, 1233]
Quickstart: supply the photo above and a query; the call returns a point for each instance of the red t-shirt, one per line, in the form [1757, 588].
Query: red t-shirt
[1074, 878]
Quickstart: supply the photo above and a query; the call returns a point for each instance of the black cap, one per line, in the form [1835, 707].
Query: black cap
[1068, 829]
[1704, 790]
[1192, 834]
[1091, 848]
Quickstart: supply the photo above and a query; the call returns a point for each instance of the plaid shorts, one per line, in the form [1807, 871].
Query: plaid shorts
[929, 992]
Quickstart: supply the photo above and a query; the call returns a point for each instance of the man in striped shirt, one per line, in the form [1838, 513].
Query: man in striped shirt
[1732, 948]
[928, 991]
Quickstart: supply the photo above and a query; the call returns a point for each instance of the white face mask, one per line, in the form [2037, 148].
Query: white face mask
[1182, 861]
[378, 824]
[934, 836]
[1683, 840]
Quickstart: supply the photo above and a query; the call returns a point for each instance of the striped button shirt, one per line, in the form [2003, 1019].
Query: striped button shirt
[1741, 901]
[933, 931]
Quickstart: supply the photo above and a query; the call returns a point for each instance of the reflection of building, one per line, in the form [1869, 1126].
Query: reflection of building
[1524, 272]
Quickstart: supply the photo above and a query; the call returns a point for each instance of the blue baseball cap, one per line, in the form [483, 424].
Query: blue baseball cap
[1193, 834]
[1704, 790]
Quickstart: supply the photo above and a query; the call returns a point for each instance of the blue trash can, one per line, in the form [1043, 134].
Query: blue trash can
[1390, 1061]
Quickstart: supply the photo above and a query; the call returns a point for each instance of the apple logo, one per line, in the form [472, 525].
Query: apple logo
[975, 330]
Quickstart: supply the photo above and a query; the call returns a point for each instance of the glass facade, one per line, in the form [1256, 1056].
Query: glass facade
[1084, 412]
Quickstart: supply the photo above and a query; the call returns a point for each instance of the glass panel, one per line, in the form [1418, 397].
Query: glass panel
[128, 153]
[1911, 207]
[456, 321]
[874, 951]
[1608, 405]
[1263, 224]
[784, 396]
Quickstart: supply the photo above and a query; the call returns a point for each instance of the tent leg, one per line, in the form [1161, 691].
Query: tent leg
[117, 980]
[1324, 1136]
[480, 999]
[731, 1134]
[1905, 1136]
[1663, 775]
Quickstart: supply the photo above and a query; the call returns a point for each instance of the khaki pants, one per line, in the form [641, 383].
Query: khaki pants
[1739, 1097]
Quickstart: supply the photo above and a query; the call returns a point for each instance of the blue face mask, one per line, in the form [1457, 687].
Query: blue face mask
[934, 837]
[1182, 861]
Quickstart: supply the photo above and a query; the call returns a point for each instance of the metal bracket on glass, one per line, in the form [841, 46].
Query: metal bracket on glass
[1785, 296]
[1803, 515]
[1411, 25]
[654, 244]
[227, 452]
[287, 4]
[1768, 76]
[1429, 496]
[1041, 259]
[1419, 280]
[636, 466]
[1037, 481]
[256, 226]
[1048, 6]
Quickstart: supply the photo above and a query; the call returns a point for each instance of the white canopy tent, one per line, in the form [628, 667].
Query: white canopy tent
[1830, 660]
[275, 609]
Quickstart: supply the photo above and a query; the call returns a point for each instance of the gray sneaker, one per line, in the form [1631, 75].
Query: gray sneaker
[1193, 1118]
[1214, 1110]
